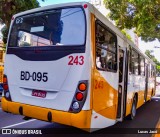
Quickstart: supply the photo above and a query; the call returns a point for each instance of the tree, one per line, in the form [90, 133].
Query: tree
[143, 15]
[148, 53]
[10, 7]
[127, 35]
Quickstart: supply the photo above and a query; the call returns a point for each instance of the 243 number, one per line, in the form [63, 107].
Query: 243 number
[77, 60]
[99, 84]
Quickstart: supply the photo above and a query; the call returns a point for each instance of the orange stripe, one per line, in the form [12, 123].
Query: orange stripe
[105, 97]
[93, 56]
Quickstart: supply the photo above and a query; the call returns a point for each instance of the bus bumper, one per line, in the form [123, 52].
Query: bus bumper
[80, 120]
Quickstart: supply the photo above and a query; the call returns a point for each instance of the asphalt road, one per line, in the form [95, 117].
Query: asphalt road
[147, 117]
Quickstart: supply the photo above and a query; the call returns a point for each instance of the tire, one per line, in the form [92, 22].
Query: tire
[133, 109]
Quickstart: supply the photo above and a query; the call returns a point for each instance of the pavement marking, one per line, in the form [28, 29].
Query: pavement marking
[19, 123]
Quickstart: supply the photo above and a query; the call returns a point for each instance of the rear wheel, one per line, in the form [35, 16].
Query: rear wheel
[133, 109]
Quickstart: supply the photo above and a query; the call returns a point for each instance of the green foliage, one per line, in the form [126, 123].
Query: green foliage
[10, 7]
[127, 35]
[143, 15]
[148, 53]
[4, 31]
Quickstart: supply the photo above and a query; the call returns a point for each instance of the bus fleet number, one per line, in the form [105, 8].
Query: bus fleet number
[99, 84]
[35, 76]
[77, 60]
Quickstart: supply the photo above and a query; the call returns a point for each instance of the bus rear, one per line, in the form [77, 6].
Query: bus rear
[46, 67]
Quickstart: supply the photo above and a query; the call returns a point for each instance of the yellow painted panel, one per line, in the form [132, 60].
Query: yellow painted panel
[130, 96]
[80, 120]
[149, 94]
[109, 112]
[140, 99]
[104, 96]
[93, 56]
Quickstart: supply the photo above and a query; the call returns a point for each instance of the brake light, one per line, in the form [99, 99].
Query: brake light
[82, 87]
[79, 96]
[5, 86]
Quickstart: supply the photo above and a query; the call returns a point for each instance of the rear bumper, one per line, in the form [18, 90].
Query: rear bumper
[80, 120]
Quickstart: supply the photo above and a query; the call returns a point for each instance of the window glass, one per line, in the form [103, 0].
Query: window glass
[149, 70]
[106, 50]
[142, 68]
[54, 27]
[130, 60]
[135, 63]
[152, 71]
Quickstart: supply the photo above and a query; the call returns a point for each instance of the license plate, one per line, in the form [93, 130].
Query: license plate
[39, 93]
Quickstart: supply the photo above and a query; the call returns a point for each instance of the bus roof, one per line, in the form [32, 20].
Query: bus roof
[50, 7]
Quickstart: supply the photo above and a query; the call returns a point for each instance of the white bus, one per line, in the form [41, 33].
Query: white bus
[68, 64]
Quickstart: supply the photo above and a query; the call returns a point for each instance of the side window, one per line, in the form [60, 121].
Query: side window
[130, 60]
[106, 49]
[149, 70]
[135, 63]
[152, 71]
[142, 66]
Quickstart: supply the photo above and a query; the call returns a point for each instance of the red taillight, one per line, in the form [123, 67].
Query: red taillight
[5, 87]
[5, 83]
[79, 96]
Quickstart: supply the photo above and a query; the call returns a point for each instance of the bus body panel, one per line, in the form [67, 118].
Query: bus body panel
[105, 94]
[60, 87]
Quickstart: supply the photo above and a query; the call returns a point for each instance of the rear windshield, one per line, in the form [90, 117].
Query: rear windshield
[55, 27]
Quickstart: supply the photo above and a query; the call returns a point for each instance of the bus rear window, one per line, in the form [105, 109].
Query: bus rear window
[55, 27]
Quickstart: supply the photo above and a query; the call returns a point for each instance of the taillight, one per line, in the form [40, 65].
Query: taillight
[82, 87]
[79, 97]
[6, 88]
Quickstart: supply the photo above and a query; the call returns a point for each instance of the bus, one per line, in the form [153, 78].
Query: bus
[67, 63]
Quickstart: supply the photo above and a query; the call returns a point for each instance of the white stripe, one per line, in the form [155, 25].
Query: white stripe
[19, 123]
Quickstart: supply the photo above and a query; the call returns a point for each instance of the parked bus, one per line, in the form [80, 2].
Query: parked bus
[68, 64]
